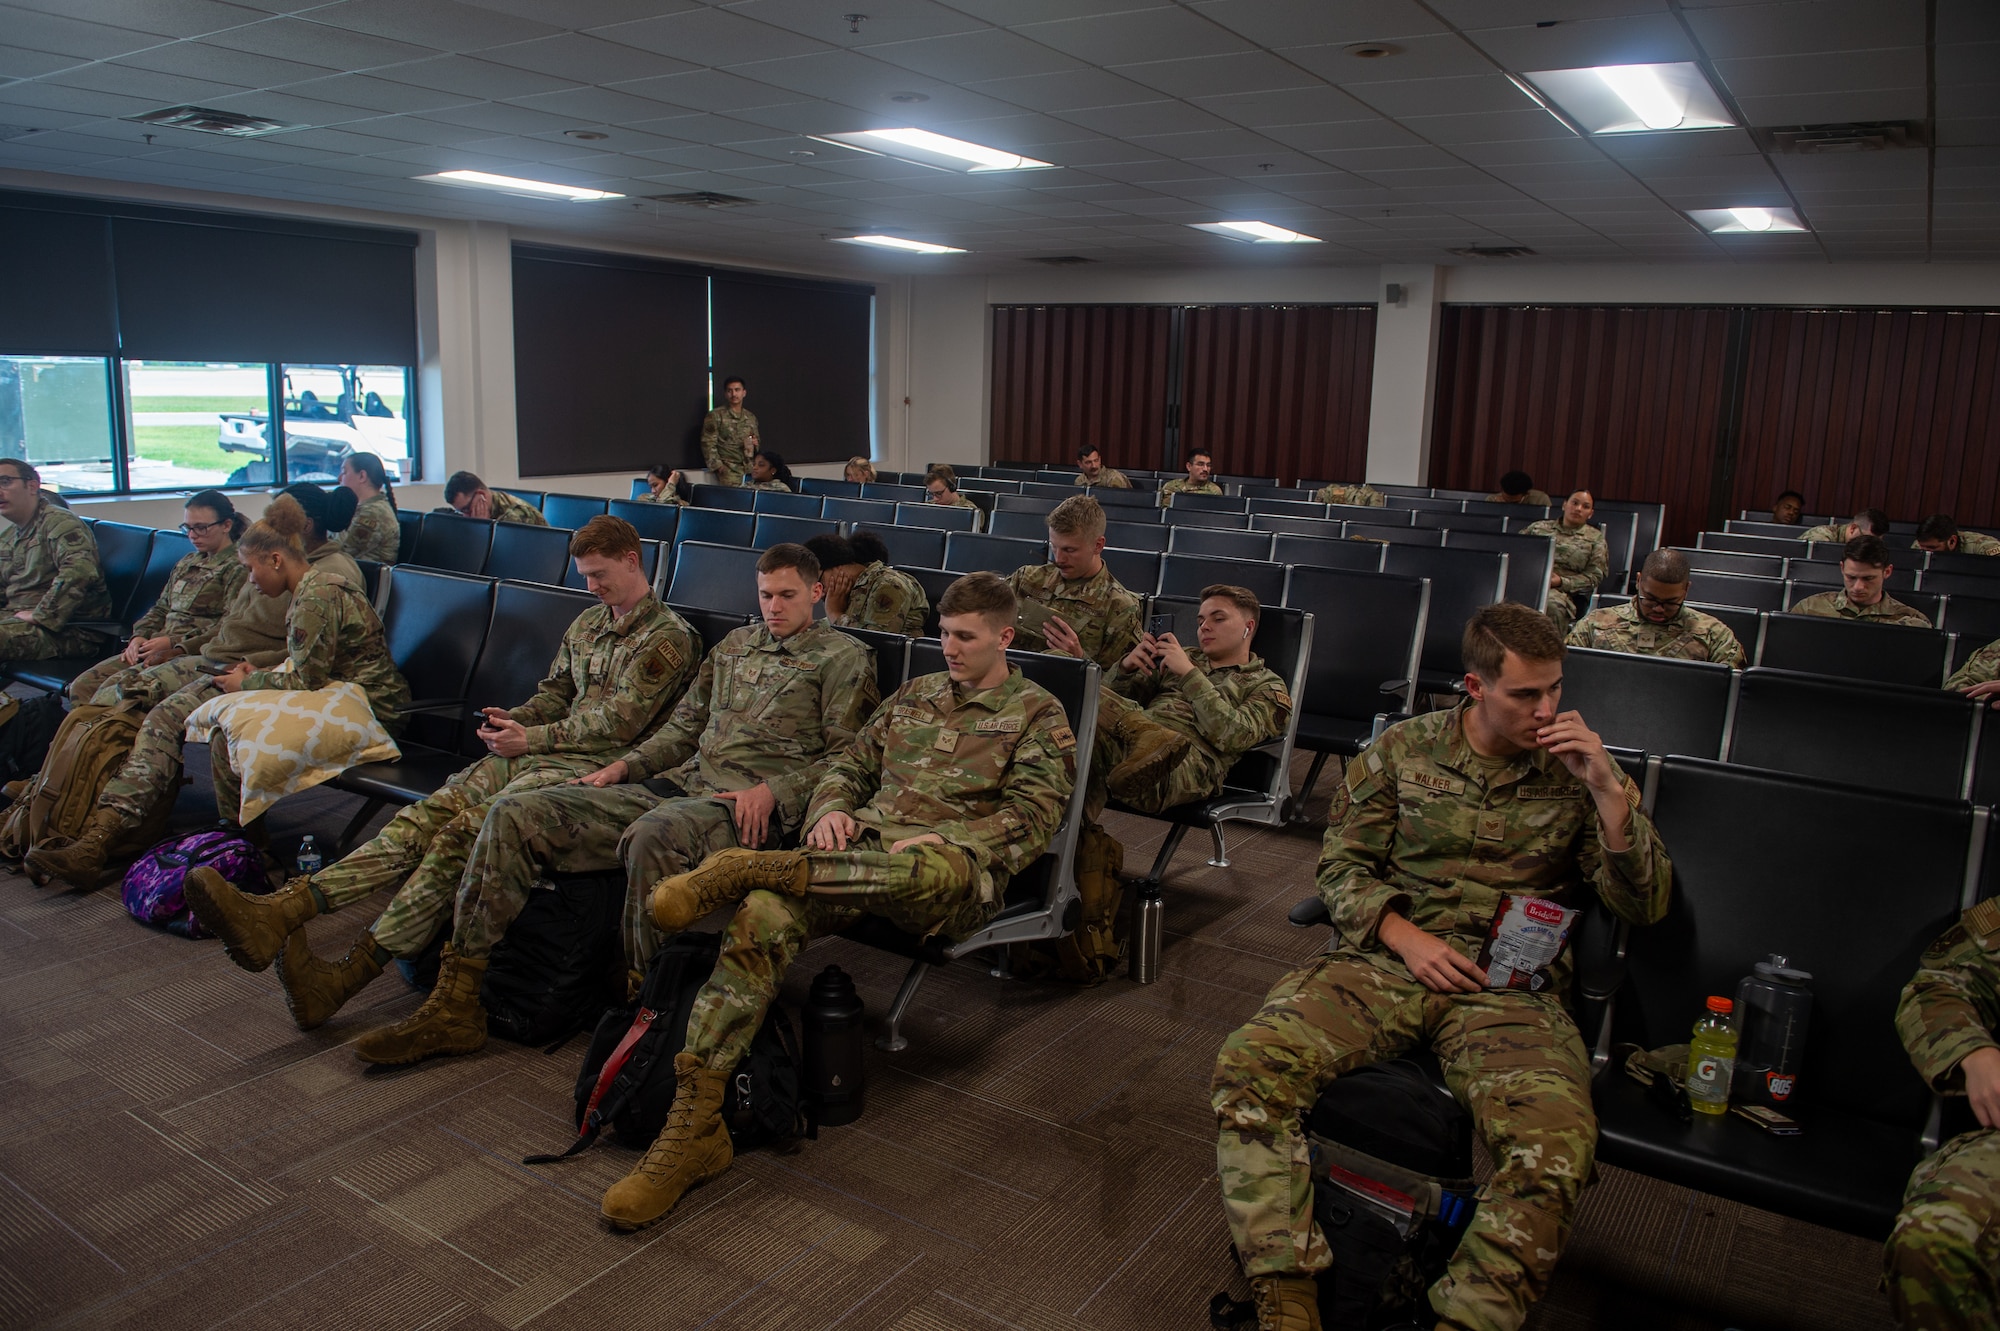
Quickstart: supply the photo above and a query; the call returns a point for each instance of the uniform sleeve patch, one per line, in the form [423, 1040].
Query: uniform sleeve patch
[1545, 792]
[1064, 737]
[1417, 776]
[1984, 919]
[907, 713]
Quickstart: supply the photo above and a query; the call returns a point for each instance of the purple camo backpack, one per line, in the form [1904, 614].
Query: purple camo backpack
[153, 885]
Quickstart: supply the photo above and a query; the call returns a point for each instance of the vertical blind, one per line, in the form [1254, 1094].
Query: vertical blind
[1066, 376]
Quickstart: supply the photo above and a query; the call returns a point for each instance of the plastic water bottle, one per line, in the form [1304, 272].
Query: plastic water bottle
[1773, 1012]
[1712, 1059]
[310, 861]
[1150, 934]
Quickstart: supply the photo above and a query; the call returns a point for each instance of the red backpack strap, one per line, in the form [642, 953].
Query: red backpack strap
[587, 1131]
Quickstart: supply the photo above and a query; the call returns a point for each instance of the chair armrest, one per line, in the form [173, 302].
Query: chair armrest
[111, 628]
[1392, 685]
[433, 705]
[1309, 912]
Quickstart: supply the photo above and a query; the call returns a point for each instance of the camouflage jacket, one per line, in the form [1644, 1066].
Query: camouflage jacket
[1688, 636]
[1951, 1006]
[884, 599]
[1826, 533]
[253, 628]
[725, 442]
[332, 636]
[991, 772]
[614, 680]
[1834, 604]
[1532, 499]
[1982, 667]
[49, 566]
[1227, 710]
[953, 499]
[1977, 543]
[1364, 495]
[1184, 486]
[1104, 615]
[199, 592]
[1108, 478]
[375, 534]
[764, 709]
[1582, 558]
[513, 508]
[773, 484]
[669, 498]
[1434, 832]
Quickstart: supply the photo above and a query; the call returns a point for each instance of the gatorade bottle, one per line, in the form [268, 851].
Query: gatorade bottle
[1712, 1059]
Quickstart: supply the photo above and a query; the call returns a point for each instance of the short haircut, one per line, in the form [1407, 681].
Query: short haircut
[1201, 453]
[605, 535]
[938, 471]
[1085, 451]
[736, 379]
[1789, 494]
[1078, 515]
[461, 483]
[22, 470]
[1516, 483]
[1866, 549]
[788, 554]
[985, 594]
[1872, 521]
[868, 547]
[1937, 527]
[1665, 565]
[1495, 630]
[1241, 597]
[832, 551]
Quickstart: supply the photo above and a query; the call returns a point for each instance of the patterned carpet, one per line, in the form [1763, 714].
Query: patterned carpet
[174, 1154]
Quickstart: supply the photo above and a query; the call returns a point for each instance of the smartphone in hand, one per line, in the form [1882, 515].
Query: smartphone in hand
[1160, 625]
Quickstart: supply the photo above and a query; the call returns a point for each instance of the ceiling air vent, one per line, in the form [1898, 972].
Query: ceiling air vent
[206, 120]
[1870, 136]
[703, 198]
[1058, 260]
[1492, 252]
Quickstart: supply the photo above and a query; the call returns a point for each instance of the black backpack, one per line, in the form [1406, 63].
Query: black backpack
[26, 727]
[1392, 1192]
[627, 1082]
[558, 966]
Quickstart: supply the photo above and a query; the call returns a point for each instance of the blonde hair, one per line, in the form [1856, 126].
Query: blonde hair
[1078, 515]
[283, 528]
[867, 468]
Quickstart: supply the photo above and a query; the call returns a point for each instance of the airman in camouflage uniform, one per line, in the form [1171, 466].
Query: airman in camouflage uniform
[1942, 1257]
[1836, 604]
[1977, 543]
[1364, 495]
[728, 438]
[885, 599]
[1827, 533]
[373, 532]
[1982, 667]
[951, 789]
[199, 591]
[1104, 615]
[1582, 558]
[1434, 834]
[1689, 635]
[513, 508]
[1171, 488]
[49, 568]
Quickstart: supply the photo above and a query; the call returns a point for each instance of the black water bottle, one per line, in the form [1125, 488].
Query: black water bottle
[835, 1072]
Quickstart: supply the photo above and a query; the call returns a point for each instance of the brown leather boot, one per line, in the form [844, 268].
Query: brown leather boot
[451, 1021]
[1151, 751]
[692, 1149]
[315, 989]
[724, 878]
[1286, 1303]
[252, 929]
[79, 861]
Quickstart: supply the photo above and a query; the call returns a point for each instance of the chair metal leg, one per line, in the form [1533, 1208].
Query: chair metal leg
[892, 1039]
[354, 826]
[1219, 860]
[1166, 856]
[1305, 791]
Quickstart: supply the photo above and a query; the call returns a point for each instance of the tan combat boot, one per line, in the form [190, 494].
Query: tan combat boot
[252, 928]
[315, 989]
[13, 790]
[1286, 1303]
[79, 861]
[451, 1021]
[1151, 750]
[724, 878]
[692, 1149]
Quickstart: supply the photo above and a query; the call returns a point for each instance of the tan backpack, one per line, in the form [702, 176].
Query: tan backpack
[90, 747]
[1090, 953]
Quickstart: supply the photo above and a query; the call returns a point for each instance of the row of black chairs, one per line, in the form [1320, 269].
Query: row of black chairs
[1759, 520]
[1770, 557]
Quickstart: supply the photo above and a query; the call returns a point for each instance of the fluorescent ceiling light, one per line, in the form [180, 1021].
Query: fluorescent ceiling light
[924, 148]
[1634, 99]
[1259, 233]
[898, 243]
[540, 189]
[1746, 221]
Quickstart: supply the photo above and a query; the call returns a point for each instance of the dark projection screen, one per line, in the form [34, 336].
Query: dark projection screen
[610, 361]
[803, 349]
[55, 273]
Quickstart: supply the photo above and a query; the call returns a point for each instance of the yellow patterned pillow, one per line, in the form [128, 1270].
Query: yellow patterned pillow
[281, 741]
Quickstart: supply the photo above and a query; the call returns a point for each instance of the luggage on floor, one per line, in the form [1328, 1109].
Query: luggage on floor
[89, 748]
[559, 965]
[155, 885]
[27, 726]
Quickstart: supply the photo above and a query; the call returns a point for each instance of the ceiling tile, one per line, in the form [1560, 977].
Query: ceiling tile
[1375, 133]
[374, 94]
[707, 90]
[979, 55]
[1161, 117]
[19, 63]
[1639, 39]
[69, 102]
[711, 37]
[1065, 90]
[582, 59]
[1277, 23]
[443, 25]
[1214, 75]
[469, 77]
[164, 18]
[165, 89]
[1835, 107]
[1135, 35]
[1288, 106]
[886, 21]
[318, 44]
[1807, 25]
[1445, 56]
[568, 14]
[472, 120]
[1445, 96]
[593, 106]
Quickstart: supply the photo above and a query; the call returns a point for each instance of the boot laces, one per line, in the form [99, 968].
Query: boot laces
[664, 1155]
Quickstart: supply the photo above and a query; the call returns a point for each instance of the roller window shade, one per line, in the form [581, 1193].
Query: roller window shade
[610, 362]
[802, 349]
[56, 291]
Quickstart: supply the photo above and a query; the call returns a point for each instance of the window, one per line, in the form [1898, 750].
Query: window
[197, 423]
[55, 411]
[334, 410]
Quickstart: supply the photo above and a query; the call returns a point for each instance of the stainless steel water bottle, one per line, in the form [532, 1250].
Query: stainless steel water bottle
[836, 1072]
[1150, 930]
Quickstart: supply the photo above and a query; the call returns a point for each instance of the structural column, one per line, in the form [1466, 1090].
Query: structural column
[1406, 352]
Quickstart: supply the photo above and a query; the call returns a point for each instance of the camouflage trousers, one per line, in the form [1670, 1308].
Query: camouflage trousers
[1941, 1265]
[422, 852]
[727, 464]
[116, 672]
[924, 890]
[1196, 777]
[1561, 611]
[23, 641]
[673, 837]
[152, 771]
[1514, 1060]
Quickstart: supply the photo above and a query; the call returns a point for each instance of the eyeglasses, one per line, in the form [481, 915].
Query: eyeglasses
[8, 480]
[197, 528]
[1644, 599]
